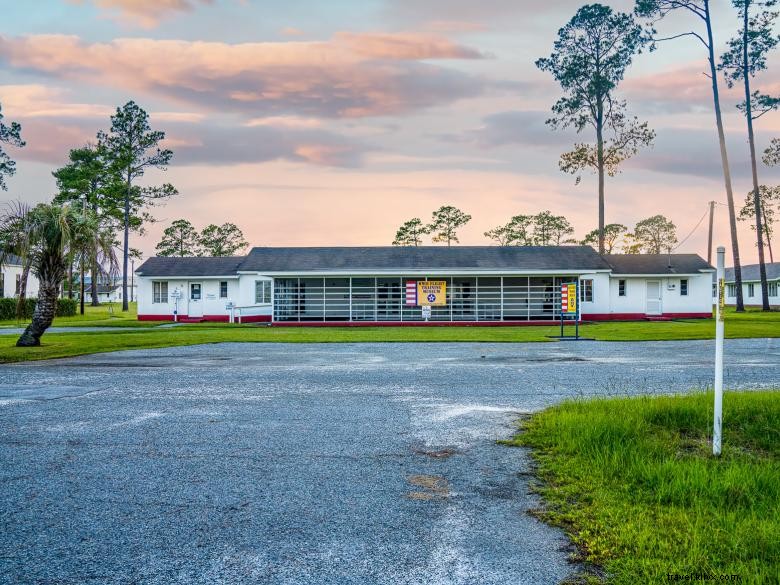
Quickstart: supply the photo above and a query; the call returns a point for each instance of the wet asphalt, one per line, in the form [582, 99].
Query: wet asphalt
[305, 463]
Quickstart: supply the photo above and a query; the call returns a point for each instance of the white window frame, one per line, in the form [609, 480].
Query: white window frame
[751, 290]
[157, 292]
[732, 290]
[622, 287]
[225, 282]
[772, 288]
[683, 287]
[586, 290]
[264, 288]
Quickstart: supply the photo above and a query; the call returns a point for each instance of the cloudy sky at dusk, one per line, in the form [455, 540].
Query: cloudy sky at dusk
[312, 122]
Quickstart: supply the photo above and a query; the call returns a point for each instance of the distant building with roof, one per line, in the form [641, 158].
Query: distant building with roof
[751, 285]
[10, 277]
[378, 285]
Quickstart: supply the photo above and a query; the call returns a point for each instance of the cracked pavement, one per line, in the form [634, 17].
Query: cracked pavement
[305, 463]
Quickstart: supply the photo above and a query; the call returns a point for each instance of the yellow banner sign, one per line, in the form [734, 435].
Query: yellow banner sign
[569, 299]
[431, 292]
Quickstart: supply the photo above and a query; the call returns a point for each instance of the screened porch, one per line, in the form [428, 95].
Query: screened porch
[383, 298]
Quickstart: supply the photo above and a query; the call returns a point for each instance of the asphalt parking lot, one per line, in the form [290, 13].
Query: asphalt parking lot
[305, 463]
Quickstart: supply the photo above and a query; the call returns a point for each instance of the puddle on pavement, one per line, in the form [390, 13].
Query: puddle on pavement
[437, 454]
[511, 359]
[434, 486]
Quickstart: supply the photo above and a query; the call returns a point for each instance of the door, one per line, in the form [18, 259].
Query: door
[653, 297]
[196, 300]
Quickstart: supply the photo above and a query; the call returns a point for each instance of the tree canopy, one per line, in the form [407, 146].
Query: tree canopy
[222, 240]
[179, 239]
[445, 224]
[655, 235]
[589, 59]
[11, 135]
[410, 233]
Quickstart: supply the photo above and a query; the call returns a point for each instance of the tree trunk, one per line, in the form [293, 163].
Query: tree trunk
[45, 309]
[724, 159]
[82, 292]
[600, 164]
[22, 292]
[126, 247]
[766, 234]
[95, 277]
[753, 167]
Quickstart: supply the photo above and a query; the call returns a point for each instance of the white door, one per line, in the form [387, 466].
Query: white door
[196, 300]
[653, 297]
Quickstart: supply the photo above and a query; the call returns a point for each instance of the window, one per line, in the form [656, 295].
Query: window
[714, 290]
[751, 290]
[18, 285]
[195, 291]
[586, 290]
[772, 286]
[684, 287]
[732, 291]
[2, 285]
[263, 292]
[223, 291]
[621, 288]
[159, 291]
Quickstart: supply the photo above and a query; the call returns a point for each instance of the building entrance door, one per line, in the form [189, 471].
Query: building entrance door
[195, 308]
[653, 297]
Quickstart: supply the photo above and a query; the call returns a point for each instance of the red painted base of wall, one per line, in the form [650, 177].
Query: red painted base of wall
[586, 317]
[642, 316]
[211, 318]
[414, 323]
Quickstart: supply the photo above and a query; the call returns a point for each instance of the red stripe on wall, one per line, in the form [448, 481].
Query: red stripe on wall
[642, 316]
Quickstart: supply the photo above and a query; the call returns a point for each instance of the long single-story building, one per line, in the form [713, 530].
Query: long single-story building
[10, 276]
[378, 285]
[751, 284]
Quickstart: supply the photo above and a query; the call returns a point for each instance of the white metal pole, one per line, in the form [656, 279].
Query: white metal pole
[719, 310]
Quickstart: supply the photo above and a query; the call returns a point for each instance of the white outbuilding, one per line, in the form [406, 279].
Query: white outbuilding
[10, 277]
[488, 285]
[751, 285]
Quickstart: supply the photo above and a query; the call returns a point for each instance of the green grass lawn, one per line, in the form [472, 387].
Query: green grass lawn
[105, 315]
[145, 335]
[634, 484]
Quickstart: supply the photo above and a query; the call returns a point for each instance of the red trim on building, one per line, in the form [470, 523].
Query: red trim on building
[585, 317]
[414, 323]
[642, 316]
[255, 319]
[159, 317]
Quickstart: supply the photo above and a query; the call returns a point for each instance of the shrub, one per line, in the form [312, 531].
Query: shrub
[65, 308]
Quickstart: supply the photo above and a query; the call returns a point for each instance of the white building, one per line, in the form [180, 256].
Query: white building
[10, 275]
[484, 284]
[751, 285]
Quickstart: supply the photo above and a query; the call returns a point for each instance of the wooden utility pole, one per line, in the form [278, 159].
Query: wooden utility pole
[709, 237]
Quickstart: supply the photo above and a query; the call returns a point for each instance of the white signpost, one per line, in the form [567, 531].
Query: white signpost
[719, 331]
[176, 294]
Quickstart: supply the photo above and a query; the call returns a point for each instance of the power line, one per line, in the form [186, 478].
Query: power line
[694, 229]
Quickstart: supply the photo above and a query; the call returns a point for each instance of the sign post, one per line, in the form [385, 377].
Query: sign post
[570, 308]
[719, 333]
[176, 294]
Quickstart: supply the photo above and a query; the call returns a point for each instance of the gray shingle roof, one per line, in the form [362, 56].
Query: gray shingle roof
[423, 258]
[750, 272]
[159, 266]
[400, 259]
[11, 260]
[657, 263]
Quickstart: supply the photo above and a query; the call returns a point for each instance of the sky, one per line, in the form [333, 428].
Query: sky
[312, 122]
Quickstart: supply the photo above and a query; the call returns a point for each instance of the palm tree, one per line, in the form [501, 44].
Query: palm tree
[50, 236]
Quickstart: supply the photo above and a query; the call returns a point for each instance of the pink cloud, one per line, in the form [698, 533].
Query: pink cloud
[147, 13]
[351, 75]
